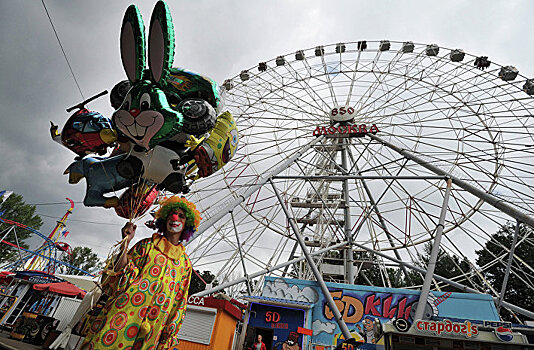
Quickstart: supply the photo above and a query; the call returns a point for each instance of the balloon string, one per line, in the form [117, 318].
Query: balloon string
[114, 256]
[109, 178]
[144, 190]
[133, 192]
[136, 202]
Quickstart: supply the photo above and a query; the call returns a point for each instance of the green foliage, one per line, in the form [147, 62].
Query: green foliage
[520, 289]
[447, 265]
[196, 285]
[371, 273]
[368, 265]
[16, 209]
[83, 258]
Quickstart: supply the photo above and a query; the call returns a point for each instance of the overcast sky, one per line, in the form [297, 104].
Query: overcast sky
[216, 38]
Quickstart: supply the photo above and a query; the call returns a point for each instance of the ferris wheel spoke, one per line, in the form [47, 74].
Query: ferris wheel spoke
[352, 80]
[313, 105]
[376, 84]
[304, 83]
[400, 85]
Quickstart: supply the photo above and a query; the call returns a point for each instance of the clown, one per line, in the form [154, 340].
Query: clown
[147, 288]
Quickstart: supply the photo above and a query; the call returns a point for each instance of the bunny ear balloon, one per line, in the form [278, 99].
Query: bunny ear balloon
[165, 121]
[133, 44]
[145, 116]
[160, 43]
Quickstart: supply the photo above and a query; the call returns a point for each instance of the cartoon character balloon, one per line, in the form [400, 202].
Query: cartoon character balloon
[167, 121]
[218, 148]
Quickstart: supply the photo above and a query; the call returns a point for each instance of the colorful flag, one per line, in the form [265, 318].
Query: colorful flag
[64, 233]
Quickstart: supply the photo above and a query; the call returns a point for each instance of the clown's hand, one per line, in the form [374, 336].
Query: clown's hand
[62, 340]
[129, 231]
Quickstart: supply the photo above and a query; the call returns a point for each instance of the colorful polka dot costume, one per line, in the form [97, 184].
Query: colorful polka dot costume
[147, 300]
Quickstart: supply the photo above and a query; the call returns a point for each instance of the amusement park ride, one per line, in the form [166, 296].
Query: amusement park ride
[48, 257]
[371, 148]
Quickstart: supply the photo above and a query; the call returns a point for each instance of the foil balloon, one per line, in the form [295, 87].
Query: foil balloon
[101, 176]
[86, 132]
[145, 115]
[217, 150]
[136, 201]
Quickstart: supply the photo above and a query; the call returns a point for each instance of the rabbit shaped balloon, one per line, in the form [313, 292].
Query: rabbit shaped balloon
[145, 116]
[169, 130]
[157, 128]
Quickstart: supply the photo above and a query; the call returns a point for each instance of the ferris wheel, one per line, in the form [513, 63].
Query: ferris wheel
[359, 146]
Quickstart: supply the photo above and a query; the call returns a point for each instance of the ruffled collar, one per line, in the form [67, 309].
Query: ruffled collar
[170, 250]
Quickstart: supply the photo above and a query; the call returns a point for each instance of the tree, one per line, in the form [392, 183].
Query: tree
[368, 265]
[447, 265]
[371, 271]
[83, 258]
[494, 258]
[14, 208]
[196, 285]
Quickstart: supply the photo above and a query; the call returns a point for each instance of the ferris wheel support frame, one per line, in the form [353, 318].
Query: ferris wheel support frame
[436, 246]
[241, 254]
[486, 197]
[508, 265]
[349, 257]
[267, 270]
[311, 263]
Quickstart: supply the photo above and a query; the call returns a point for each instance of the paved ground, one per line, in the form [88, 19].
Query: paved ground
[11, 344]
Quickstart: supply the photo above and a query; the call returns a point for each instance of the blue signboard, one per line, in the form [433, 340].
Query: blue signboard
[364, 309]
[283, 321]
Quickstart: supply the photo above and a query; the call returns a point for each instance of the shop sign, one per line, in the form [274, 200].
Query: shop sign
[271, 316]
[280, 325]
[346, 130]
[193, 300]
[382, 305]
[305, 331]
[497, 324]
[502, 330]
[466, 329]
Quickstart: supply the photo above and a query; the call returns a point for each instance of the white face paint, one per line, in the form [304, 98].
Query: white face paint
[176, 226]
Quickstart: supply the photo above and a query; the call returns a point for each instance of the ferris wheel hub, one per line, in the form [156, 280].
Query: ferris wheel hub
[342, 113]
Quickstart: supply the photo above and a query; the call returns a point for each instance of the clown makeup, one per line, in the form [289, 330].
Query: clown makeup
[176, 221]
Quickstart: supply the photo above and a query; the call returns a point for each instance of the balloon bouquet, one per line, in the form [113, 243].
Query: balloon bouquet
[167, 129]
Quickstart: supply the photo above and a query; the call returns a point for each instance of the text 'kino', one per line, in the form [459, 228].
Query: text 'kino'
[346, 130]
